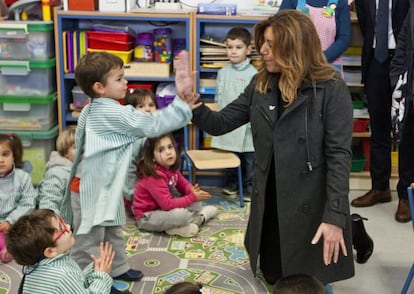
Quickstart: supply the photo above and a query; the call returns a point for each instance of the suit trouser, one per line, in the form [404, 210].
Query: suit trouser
[406, 157]
[378, 92]
[87, 244]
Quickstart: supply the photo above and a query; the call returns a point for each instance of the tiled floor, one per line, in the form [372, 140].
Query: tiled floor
[387, 269]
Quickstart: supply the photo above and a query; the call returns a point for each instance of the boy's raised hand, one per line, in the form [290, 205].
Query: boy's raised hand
[184, 78]
[103, 263]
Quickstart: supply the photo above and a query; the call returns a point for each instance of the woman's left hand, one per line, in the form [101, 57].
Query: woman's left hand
[333, 241]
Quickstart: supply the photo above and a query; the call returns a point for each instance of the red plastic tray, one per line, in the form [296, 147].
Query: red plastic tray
[95, 43]
[111, 37]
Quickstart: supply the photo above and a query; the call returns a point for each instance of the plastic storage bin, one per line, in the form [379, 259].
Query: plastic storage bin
[360, 125]
[112, 41]
[162, 45]
[358, 159]
[27, 78]
[165, 94]
[144, 47]
[23, 113]
[126, 56]
[37, 148]
[26, 40]
[80, 99]
[111, 36]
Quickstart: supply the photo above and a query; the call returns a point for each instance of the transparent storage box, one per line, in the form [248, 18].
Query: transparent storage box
[27, 78]
[37, 147]
[80, 99]
[22, 113]
[26, 40]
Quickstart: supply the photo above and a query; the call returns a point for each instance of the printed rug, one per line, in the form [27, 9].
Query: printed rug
[215, 257]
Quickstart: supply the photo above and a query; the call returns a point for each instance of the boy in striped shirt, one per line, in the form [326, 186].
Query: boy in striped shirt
[41, 241]
[105, 136]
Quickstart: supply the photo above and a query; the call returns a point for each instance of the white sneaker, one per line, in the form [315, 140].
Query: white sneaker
[209, 212]
[186, 231]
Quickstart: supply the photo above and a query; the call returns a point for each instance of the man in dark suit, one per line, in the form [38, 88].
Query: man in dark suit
[377, 86]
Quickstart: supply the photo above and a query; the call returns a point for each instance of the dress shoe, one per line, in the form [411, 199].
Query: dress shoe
[403, 213]
[361, 241]
[131, 275]
[372, 197]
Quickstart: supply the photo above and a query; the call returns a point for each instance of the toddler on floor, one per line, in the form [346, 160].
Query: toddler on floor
[17, 194]
[51, 189]
[154, 205]
[143, 100]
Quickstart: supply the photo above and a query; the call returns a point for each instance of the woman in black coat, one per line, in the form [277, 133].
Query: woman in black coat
[300, 111]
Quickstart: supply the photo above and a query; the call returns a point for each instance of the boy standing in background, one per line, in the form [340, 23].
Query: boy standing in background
[231, 81]
[105, 137]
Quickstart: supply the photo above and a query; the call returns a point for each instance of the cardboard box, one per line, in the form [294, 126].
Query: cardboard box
[117, 5]
[147, 69]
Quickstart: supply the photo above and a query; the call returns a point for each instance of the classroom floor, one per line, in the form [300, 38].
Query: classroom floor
[217, 257]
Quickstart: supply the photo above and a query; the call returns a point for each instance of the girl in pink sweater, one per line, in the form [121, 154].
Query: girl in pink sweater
[156, 205]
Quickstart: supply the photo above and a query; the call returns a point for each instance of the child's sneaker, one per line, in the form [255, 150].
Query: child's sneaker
[5, 257]
[186, 231]
[231, 189]
[209, 212]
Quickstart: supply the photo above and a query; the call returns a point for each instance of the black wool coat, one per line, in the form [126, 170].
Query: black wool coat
[310, 144]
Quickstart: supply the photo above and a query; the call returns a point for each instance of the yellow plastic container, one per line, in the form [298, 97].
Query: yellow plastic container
[126, 56]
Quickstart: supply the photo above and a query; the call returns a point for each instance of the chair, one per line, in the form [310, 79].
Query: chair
[210, 159]
[411, 272]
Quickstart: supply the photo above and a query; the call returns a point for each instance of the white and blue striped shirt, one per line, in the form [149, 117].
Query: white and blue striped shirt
[17, 195]
[105, 137]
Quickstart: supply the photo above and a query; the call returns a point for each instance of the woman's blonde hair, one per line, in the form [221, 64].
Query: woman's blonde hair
[296, 49]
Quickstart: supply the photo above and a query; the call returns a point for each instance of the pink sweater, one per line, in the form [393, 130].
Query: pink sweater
[153, 193]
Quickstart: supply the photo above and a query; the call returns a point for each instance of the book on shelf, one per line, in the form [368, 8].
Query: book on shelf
[214, 57]
[208, 49]
[212, 41]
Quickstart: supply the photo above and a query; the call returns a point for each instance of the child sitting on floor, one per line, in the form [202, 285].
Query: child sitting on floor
[143, 100]
[41, 242]
[299, 284]
[17, 194]
[154, 205]
[51, 189]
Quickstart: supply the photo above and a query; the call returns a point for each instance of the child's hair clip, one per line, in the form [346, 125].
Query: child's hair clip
[10, 135]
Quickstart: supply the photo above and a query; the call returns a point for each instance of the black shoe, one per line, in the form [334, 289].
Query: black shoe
[116, 291]
[131, 275]
[361, 241]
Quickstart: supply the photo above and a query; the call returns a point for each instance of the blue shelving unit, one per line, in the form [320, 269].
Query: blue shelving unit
[84, 20]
